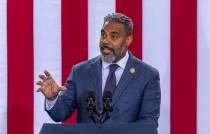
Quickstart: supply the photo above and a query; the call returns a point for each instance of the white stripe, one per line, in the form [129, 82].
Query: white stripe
[203, 90]
[96, 12]
[47, 51]
[3, 67]
[156, 51]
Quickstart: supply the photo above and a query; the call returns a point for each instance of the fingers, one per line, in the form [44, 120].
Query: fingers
[39, 89]
[48, 86]
[43, 77]
[47, 73]
[39, 83]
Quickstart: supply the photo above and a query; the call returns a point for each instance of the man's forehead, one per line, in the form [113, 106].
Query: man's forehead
[111, 31]
[113, 26]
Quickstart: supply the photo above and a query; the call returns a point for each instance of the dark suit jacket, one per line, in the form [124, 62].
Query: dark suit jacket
[136, 98]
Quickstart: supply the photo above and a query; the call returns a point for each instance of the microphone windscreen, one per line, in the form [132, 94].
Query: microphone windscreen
[91, 94]
[107, 94]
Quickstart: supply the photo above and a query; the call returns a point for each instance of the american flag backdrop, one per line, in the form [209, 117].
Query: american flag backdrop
[171, 35]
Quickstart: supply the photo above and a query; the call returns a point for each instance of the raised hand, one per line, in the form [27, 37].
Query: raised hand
[48, 86]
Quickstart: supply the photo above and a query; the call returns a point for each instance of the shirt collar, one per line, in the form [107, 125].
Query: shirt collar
[122, 62]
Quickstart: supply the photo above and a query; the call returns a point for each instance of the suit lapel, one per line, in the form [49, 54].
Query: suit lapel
[127, 76]
[97, 76]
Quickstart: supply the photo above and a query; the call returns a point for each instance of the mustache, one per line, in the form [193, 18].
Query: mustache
[106, 46]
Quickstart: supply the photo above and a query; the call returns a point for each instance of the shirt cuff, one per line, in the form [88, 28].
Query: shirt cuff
[50, 103]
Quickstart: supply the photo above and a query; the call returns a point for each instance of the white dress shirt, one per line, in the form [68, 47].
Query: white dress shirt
[105, 72]
[118, 73]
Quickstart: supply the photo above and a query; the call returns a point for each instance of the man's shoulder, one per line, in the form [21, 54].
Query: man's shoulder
[87, 64]
[144, 67]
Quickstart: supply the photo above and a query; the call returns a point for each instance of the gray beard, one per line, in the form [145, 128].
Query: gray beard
[109, 60]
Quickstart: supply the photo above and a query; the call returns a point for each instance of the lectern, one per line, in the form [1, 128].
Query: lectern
[130, 128]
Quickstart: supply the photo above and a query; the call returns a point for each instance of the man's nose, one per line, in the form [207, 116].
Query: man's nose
[104, 40]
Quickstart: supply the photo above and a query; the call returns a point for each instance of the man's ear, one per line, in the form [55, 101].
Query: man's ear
[129, 40]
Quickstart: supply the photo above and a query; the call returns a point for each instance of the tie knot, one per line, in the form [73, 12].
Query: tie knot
[113, 67]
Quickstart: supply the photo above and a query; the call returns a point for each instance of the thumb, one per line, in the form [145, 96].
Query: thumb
[62, 88]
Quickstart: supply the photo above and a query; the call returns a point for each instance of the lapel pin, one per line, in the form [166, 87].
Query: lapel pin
[132, 70]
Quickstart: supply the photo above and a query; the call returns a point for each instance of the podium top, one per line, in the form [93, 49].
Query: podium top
[129, 128]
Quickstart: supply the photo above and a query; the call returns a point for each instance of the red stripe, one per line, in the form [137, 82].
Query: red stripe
[183, 66]
[74, 36]
[20, 66]
[133, 9]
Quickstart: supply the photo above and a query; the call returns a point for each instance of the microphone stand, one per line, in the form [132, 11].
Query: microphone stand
[91, 107]
[101, 117]
[107, 108]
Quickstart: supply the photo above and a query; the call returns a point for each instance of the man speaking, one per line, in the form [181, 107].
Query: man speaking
[122, 86]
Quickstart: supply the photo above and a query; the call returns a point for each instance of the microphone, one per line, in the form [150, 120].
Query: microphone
[107, 106]
[91, 106]
[100, 117]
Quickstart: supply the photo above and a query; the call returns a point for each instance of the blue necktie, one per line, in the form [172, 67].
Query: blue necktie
[111, 79]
